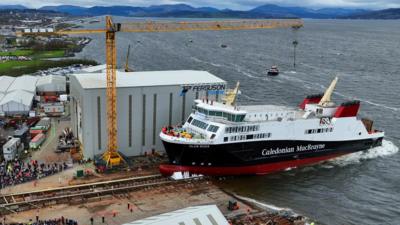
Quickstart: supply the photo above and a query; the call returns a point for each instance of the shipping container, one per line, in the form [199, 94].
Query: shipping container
[12, 148]
[37, 141]
[43, 124]
[33, 133]
[23, 135]
[53, 108]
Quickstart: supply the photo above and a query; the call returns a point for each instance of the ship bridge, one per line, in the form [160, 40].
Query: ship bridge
[219, 112]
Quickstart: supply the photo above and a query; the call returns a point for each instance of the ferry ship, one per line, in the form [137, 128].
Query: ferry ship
[223, 138]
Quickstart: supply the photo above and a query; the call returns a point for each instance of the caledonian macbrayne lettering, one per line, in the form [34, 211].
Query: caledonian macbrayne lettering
[299, 148]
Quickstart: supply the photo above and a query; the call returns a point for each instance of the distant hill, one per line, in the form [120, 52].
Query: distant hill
[386, 14]
[184, 10]
[154, 10]
[70, 9]
[12, 7]
[302, 12]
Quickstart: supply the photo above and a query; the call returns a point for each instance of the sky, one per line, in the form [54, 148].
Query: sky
[221, 4]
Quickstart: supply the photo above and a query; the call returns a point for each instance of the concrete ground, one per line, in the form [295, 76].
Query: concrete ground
[145, 203]
[47, 153]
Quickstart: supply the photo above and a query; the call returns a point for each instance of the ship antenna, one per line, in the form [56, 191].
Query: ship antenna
[328, 93]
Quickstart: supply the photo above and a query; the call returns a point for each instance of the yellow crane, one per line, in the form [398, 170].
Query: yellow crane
[111, 155]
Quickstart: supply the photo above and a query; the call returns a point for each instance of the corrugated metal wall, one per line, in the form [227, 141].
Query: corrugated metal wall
[142, 112]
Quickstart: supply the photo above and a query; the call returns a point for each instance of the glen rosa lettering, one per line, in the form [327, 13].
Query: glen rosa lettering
[299, 148]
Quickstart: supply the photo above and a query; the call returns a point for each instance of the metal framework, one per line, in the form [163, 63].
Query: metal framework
[111, 155]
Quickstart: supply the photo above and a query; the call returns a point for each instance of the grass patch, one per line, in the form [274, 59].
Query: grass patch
[35, 54]
[17, 53]
[17, 68]
[49, 54]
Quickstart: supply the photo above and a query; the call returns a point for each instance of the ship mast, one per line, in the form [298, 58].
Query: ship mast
[230, 96]
[326, 99]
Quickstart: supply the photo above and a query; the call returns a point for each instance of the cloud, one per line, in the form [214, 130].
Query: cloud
[232, 4]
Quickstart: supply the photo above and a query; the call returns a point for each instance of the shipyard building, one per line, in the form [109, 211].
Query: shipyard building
[16, 94]
[147, 101]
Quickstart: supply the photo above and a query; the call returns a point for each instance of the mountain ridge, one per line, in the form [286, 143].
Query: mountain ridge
[185, 10]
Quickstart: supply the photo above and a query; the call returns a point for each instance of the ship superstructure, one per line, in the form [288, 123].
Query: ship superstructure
[221, 138]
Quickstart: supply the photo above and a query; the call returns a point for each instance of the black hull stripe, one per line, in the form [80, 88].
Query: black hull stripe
[261, 152]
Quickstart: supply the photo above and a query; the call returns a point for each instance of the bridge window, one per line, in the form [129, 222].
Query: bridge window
[213, 128]
[199, 124]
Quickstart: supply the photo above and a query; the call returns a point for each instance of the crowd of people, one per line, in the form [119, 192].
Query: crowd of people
[58, 221]
[17, 171]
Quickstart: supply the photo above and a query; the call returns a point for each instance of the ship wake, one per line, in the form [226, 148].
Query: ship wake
[388, 148]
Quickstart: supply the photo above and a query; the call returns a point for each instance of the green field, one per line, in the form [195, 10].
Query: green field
[17, 53]
[39, 62]
[35, 54]
[17, 68]
[49, 54]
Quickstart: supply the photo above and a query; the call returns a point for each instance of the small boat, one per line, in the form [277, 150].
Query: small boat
[274, 71]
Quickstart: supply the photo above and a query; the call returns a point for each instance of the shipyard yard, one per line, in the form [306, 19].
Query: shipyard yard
[64, 109]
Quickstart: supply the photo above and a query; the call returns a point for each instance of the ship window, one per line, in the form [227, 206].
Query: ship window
[319, 131]
[212, 113]
[239, 118]
[225, 139]
[190, 119]
[218, 113]
[213, 128]
[249, 136]
[331, 129]
[199, 124]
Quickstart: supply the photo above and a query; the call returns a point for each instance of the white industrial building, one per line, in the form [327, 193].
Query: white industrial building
[16, 102]
[195, 215]
[51, 85]
[147, 101]
[5, 82]
[25, 83]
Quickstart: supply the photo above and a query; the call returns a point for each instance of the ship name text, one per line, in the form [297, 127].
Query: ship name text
[299, 148]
